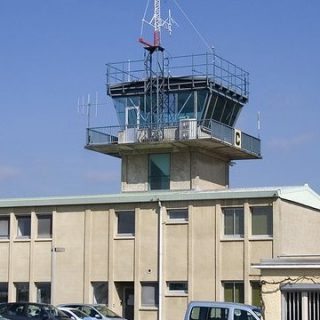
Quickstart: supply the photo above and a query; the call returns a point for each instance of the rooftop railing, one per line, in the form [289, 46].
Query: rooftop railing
[209, 65]
[183, 130]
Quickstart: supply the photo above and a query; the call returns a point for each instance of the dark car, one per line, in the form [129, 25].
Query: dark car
[30, 311]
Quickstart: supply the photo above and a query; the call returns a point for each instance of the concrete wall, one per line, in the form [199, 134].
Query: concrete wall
[299, 229]
[190, 170]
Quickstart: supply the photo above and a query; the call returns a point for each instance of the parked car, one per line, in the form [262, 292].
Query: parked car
[75, 314]
[98, 311]
[31, 311]
[206, 310]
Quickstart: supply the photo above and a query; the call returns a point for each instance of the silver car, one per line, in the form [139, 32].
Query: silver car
[98, 311]
[74, 313]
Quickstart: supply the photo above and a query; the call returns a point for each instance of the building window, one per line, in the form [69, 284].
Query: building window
[100, 292]
[177, 287]
[22, 292]
[256, 293]
[126, 223]
[3, 292]
[44, 226]
[43, 292]
[24, 227]
[233, 291]
[261, 221]
[149, 294]
[233, 222]
[4, 227]
[177, 215]
[159, 171]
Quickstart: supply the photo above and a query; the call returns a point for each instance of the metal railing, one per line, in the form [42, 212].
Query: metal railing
[209, 65]
[187, 129]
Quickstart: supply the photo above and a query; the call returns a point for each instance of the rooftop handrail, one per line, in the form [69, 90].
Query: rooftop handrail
[223, 71]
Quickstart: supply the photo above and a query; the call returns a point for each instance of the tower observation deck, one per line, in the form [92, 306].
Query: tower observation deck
[177, 103]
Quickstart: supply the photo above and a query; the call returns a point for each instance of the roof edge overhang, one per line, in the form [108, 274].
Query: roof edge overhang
[138, 197]
[179, 195]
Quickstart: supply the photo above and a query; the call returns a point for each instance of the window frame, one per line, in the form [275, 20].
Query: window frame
[43, 216]
[23, 236]
[22, 285]
[175, 292]
[125, 234]
[234, 284]
[165, 178]
[269, 223]
[4, 287]
[39, 287]
[94, 285]
[155, 298]
[255, 285]
[171, 219]
[234, 235]
[7, 236]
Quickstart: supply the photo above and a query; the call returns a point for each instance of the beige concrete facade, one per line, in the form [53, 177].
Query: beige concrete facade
[195, 251]
[189, 170]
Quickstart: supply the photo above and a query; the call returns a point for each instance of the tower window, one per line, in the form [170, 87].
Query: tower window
[159, 171]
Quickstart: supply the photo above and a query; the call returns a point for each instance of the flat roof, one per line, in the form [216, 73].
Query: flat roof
[303, 195]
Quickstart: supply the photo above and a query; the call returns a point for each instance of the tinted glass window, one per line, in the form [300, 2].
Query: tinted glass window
[159, 171]
[44, 226]
[126, 222]
[262, 221]
[24, 227]
[4, 228]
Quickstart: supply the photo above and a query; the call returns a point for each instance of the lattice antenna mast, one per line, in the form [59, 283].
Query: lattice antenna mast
[155, 95]
[157, 23]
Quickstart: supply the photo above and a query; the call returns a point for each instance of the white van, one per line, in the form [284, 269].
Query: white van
[206, 310]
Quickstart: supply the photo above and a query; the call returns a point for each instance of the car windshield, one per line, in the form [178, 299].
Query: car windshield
[53, 311]
[106, 312]
[79, 313]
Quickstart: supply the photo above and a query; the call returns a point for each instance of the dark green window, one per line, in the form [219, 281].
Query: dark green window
[159, 171]
[233, 292]
[256, 293]
[261, 221]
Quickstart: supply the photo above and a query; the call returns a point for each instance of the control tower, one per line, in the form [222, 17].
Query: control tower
[177, 118]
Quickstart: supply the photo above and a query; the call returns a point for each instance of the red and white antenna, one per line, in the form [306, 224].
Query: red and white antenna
[157, 23]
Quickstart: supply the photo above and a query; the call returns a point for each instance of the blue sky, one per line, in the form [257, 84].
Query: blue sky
[54, 51]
